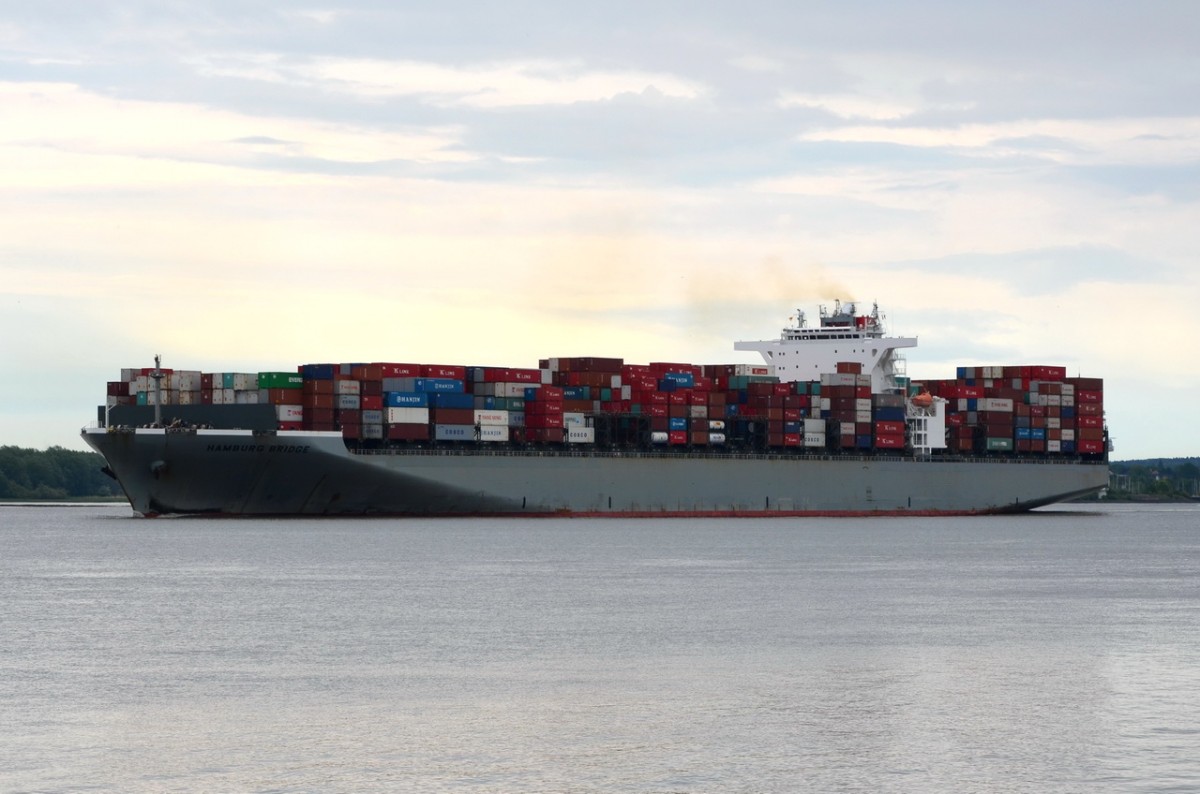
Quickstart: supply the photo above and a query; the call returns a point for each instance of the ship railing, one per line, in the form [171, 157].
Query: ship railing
[710, 455]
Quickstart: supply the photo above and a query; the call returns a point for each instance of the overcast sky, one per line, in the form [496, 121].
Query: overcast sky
[247, 186]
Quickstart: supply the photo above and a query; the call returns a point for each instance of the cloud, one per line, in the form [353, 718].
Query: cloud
[849, 106]
[482, 86]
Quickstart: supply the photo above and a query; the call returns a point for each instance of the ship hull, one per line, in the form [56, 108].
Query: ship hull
[313, 473]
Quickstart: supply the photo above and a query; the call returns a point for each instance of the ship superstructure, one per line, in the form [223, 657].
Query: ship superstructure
[802, 352]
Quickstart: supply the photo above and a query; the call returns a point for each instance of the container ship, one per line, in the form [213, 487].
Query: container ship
[826, 424]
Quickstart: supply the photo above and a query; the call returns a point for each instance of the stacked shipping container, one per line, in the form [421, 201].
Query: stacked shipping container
[1031, 409]
[588, 400]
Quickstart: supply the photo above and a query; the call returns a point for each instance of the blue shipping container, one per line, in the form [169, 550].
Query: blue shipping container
[451, 400]
[678, 423]
[443, 385]
[400, 399]
[317, 371]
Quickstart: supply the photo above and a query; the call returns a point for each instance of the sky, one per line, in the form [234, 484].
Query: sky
[244, 186]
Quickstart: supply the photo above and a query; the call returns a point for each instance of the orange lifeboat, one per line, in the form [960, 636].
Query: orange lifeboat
[922, 400]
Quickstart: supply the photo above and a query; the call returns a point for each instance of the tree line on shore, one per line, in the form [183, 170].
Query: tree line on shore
[54, 473]
[1170, 478]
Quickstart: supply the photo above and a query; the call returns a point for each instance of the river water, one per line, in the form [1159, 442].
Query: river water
[1057, 651]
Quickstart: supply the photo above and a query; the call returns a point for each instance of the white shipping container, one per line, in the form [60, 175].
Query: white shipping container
[129, 374]
[814, 426]
[493, 433]
[1068, 390]
[814, 439]
[347, 402]
[407, 416]
[658, 437]
[1053, 422]
[581, 435]
[289, 413]
[189, 397]
[716, 438]
[372, 416]
[372, 431]
[245, 397]
[1054, 446]
[218, 396]
[716, 424]
[1067, 401]
[839, 379]
[347, 387]
[511, 390]
[999, 404]
[748, 370]
[245, 381]
[698, 411]
[1055, 400]
[1068, 435]
[863, 405]
[862, 417]
[626, 392]
[826, 404]
[573, 420]
[492, 417]
[187, 380]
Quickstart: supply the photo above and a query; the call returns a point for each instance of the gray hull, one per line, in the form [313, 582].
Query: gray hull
[308, 473]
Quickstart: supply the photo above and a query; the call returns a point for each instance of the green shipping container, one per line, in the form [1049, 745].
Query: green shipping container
[999, 445]
[280, 380]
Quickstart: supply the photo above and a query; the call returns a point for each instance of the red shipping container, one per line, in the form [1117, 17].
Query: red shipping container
[889, 428]
[793, 440]
[544, 421]
[544, 408]
[399, 370]
[318, 416]
[533, 376]
[453, 416]
[699, 437]
[1089, 447]
[849, 368]
[408, 432]
[443, 371]
[1084, 396]
[351, 431]
[371, 402]
[677, 437]
[312, 401]
[315, 387]
[1089, 421]
[291, 426]
[1089, 409]
[544, 435]
[889, 441]
[367, 372]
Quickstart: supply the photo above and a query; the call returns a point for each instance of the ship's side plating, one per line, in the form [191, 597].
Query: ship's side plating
[312, 473]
